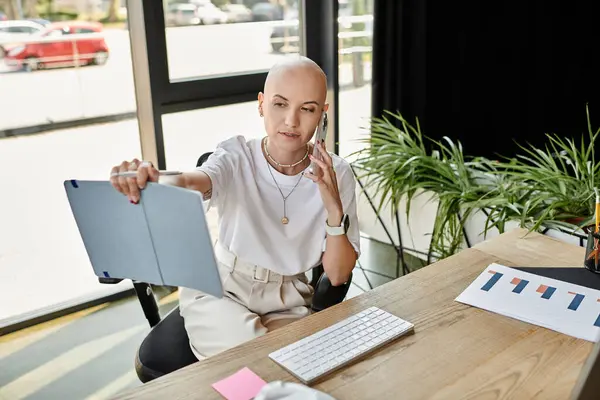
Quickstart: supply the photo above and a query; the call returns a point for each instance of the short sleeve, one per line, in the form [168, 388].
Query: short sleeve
[220, 167]
[347, 188]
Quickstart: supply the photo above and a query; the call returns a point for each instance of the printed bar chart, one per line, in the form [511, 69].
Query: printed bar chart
[520, 284]
[535, 299]
[490, 284]
[546, 291]
[576, 301]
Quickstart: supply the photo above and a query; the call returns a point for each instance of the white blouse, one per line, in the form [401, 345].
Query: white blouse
[250, 208]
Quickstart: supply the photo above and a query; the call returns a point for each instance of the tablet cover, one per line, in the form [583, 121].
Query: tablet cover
[163, 240]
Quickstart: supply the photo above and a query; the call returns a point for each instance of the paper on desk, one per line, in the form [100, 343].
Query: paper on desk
[563, 307]
[243, 385]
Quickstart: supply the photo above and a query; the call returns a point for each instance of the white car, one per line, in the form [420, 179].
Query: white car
[211, 14]
[11, 32]
[181, 15]
[237, 13]
[196, 12]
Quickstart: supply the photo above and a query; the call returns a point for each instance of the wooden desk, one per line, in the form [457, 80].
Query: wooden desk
[456, 351]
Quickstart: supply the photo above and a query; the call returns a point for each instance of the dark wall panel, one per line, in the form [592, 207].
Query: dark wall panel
[489, 74]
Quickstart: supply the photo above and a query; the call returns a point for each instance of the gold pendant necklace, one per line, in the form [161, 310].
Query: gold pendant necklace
[283, 165]
[284, 220]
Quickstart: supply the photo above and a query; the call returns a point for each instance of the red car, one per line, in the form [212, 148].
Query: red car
[60, 44]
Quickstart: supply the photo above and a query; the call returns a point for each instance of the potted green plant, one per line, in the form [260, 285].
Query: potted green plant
[549, 188]
[396, 163]
[552, 187]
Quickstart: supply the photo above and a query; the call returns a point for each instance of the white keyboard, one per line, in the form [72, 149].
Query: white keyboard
[330, 349]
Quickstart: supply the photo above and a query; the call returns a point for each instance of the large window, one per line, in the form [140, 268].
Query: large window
[198, 66]
[64, 70]
[43, 262]
[189, 134]
[204, 39]
[61, 65]
[355, 25]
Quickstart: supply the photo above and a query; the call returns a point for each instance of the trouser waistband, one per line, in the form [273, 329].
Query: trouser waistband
[256, 272]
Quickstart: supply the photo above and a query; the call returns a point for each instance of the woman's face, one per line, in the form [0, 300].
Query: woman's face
[292, 105]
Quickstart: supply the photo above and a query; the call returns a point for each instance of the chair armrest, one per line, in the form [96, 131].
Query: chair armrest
[145, 295]
[203, 158]
[148, 302]
[109, 281]
[316, 275]
[327, 295]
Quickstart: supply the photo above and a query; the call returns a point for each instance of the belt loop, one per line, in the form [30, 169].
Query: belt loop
[265, 279]
[233, 263]
[228, 258]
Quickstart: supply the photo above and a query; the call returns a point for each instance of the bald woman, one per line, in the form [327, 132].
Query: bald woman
[276, 219]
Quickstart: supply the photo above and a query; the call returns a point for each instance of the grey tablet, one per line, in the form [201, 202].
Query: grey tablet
[164, 239]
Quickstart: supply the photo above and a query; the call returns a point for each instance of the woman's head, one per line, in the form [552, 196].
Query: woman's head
[292, 103]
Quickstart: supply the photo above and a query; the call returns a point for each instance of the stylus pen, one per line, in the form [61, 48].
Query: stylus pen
[133, 174]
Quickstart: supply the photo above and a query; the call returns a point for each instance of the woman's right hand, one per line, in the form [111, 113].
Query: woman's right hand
[131, 186]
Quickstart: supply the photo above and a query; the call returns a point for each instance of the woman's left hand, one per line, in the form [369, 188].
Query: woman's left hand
[326, 179]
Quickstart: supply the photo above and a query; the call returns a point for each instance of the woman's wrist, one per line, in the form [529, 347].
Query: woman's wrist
[170, 180]
[334, 217]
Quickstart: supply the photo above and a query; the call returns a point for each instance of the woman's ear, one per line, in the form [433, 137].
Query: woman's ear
[326, 107]
[261, 97]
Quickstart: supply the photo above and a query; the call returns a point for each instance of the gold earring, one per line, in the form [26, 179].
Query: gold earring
[260, 111]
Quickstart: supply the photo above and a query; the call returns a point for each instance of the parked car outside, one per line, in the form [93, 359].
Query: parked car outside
[237, 13]
[11, 32]
[290, 31]
[210, 14]
[182, 15]
[56, 48]
[267, 12]
[279, 33]
[43, 22]
[198, 13]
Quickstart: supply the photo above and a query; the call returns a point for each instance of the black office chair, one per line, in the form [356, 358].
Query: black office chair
[166, 348]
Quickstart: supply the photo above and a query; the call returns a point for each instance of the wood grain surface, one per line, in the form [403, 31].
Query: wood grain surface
[456, 351]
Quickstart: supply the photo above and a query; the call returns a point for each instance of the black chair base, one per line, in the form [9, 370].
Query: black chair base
[165, 349]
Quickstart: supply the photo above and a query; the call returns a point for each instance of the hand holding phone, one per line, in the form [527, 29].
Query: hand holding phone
[320, 136]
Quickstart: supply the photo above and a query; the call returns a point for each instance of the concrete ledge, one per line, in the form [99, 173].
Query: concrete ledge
[75, 123]
[26, 320]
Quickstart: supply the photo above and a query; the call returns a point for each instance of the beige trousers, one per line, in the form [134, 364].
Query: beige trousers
[255, 302]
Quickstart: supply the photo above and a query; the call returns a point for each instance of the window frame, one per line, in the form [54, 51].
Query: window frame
[157, 94]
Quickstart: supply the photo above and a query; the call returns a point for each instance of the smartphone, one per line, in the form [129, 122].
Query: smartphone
[320, 136]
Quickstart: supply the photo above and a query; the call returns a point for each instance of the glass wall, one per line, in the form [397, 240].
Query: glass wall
[76, 65]
[65, 62]
[355, 24]
[53, 70]
[204, 39]
[190, 134]
[42, 259]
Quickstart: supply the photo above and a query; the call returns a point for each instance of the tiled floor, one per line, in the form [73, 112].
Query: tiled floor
[90, 354]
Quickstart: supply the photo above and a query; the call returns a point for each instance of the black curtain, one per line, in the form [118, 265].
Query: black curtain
[488, 74]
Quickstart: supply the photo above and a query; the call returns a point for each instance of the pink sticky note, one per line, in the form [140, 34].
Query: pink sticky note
[243, 385]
